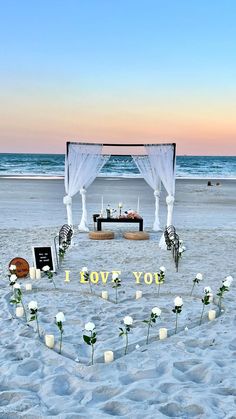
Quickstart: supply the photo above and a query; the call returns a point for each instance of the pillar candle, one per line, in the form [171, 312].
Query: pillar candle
[162, 333]
[19, 311]
[105, 295]
[108, 356]
[49, 341]
[211, 314]
[67, 279]
[138, 206]
[32, 272]
[38, 274]
[28, 287]
[138, 294]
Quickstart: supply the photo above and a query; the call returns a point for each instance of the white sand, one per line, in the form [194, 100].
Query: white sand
[190, 374]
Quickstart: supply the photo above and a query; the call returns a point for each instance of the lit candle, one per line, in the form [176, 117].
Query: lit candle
[49, 341]
[108, 356]
[28, 287]
[38, 274]
[138, 294]
[67, 276]
[32, 272]
[120, 205]
[162, 333]
[105, 295]
[211, 314]
[138, 206]
[19, 311]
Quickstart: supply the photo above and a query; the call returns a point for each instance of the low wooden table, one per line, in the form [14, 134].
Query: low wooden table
[119, 220]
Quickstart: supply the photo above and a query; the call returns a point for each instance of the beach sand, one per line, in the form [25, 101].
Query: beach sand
[189, 375]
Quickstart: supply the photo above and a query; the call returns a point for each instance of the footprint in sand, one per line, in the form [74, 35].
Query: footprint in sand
[115, 408]
[192, 371]
[175, 410]
[28, 367]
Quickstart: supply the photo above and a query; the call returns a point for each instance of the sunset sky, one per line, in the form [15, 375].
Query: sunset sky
[127, 70]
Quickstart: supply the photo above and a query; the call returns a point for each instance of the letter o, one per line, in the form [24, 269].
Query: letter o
[94, 277]
[148, 278]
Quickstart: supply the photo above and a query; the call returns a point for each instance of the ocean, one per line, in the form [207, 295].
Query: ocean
[43, 165]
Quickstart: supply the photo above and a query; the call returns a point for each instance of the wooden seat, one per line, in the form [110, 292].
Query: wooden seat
[136, 235]
[101, 235]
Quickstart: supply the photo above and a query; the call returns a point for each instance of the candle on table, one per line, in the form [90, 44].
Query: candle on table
[108, 356]
[138, 294]
[28, 287]
[49, 341]
[211, 314]
[19, 312]
[32, 272]
[38, 274]
[105, 295]
[138, 206]
[162, 333]
[67, 276]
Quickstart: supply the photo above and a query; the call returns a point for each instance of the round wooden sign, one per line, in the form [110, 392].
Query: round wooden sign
[22, 267]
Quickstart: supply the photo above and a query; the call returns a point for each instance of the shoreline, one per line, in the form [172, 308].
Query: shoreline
[46, 177]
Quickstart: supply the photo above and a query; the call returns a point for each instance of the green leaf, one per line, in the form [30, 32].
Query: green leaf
[93, 341]
[146, 321]
[87, 339]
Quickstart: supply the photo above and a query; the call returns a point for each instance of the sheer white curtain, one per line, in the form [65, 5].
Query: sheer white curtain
[82, 164]
[149, 171]
[163, 158]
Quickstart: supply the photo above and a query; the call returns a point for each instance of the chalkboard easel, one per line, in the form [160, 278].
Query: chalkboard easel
[43, 256]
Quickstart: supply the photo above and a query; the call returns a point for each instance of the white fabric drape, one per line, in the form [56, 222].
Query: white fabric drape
[82, 164]
[149, 171]
[162, 157]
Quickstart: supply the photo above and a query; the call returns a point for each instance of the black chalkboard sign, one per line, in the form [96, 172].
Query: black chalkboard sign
[43, 256]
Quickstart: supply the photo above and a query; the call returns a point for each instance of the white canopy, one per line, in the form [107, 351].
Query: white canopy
[83, 162]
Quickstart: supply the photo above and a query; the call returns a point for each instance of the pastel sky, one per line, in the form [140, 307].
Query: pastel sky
[127, 70]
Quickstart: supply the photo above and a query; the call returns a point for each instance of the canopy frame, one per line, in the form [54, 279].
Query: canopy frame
[147, 147]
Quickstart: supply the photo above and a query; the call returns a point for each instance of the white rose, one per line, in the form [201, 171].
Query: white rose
[12, 268]
[84, 269]
[181, 241]
[115, 275]
[156, 311]
[181, 249]
[162, 269]
[46, 268]
[184, 248]
[33, 305]
[89, 326]
[199, 277]
[16, 286]
[229, 280]
[178, 302]
[13, 277]
[226, 283]
[60, 317]
[207, 290]
[128, 321]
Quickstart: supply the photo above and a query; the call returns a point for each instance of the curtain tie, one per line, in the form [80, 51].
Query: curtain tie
[82, 191]
[67, 200]
[157, 193]
[170, 199]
